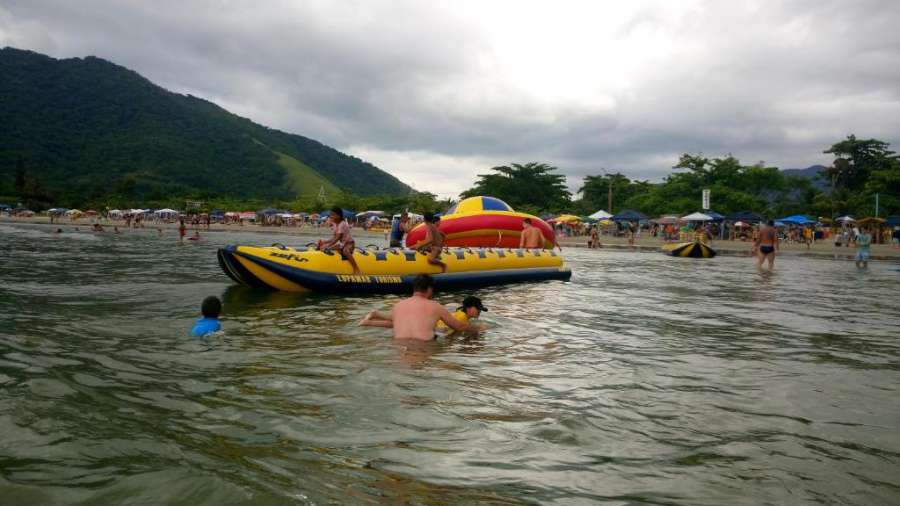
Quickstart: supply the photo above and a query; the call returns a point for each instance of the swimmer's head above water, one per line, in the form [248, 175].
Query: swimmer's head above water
[472, 306]
[424, 284]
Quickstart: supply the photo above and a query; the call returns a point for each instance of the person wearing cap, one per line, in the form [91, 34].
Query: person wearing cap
[471, 308]
[418, 316]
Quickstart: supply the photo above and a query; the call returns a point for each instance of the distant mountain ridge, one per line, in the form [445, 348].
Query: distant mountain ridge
[812, 173]
[85, 126]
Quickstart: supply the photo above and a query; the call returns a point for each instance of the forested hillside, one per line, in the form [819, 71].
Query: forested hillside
[78, 129]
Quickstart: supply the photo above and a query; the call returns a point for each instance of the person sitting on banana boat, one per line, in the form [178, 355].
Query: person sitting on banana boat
[341, 237]
[434, 241]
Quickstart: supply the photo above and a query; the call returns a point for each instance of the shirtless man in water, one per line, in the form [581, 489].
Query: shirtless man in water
[434, 242]
[766, 245]
[532, 238]
[415, 317]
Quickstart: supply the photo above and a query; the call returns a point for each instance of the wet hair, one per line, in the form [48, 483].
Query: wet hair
[422, 283]
[339, 212]
[527, 220]
[211, 307]
[429, 217]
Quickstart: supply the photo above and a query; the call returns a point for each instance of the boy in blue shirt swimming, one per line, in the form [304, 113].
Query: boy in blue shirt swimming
[211, 307]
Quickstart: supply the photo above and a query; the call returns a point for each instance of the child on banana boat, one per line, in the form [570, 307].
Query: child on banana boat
[434, 241]
[341, 238]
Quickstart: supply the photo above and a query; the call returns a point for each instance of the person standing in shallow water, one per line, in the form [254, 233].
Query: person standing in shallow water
[531, 236]
[766, 245]
[416, 317]
[182, 230]
[863, 240]
[399, 228]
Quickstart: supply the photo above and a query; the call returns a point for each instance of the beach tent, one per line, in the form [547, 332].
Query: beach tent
[629, 215]
[600, 215]
[369, 214]
[745, 216]
[893, 221]
[697, 217]
[715, 216]
[114, 213]
[797, 219]
[164, 213]
[5, 207]
[248, 215]
[347, 214]
[217, 214]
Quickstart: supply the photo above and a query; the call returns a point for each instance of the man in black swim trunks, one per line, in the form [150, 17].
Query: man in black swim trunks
[766, 245]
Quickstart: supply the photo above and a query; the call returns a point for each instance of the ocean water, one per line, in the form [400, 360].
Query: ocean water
[645, 380]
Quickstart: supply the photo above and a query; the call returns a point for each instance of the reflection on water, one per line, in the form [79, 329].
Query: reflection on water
[647, 379]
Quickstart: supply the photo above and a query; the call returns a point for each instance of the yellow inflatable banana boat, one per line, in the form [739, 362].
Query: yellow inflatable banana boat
[694, 249]
[385, 271]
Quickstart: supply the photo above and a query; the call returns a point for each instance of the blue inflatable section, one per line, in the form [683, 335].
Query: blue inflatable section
[492, 204]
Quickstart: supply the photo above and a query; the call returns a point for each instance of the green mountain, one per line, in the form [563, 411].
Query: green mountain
[81, 128]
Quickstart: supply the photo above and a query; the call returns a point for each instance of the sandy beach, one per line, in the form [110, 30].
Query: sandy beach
[820, 249]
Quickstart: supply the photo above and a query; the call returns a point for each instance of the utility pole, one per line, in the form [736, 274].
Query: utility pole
[609, 191]
[609, 197]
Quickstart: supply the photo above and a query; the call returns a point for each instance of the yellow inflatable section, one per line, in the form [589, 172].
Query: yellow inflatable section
[302, 269]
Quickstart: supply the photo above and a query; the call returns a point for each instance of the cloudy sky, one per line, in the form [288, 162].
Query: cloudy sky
[437, 92]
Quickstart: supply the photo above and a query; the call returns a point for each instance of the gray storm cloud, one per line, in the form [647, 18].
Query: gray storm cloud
[427, 89]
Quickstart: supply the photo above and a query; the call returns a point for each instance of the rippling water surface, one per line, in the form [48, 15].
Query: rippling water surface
[645, 380]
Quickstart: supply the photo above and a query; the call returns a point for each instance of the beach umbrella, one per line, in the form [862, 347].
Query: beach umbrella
[797, 219]
[667, 220]
[567, 218]
[846, 219]
[697, 217]
[741, 224]
[870, 219]
[694, 249]
[629, 215]
[600, 215]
